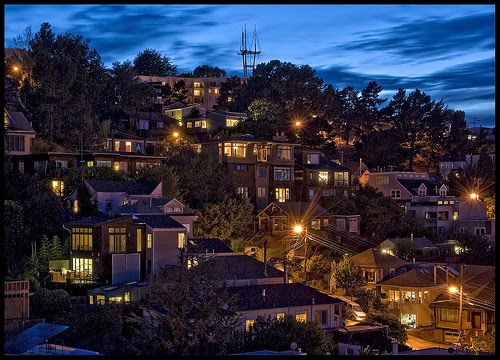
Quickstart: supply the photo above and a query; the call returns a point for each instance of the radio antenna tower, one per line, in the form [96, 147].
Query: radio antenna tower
[249, 54]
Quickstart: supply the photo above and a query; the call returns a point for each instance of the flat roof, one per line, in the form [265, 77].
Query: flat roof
[33, 336]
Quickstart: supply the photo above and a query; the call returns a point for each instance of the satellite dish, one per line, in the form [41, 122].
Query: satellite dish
[293, 346]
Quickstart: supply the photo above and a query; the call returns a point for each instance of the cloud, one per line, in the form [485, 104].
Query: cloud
[438, 39]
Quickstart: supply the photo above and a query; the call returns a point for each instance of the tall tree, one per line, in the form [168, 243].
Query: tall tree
[179, 92]
[347, 275]
[152, 63]
[209, 71]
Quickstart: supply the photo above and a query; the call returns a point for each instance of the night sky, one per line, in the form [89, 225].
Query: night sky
[447, 51]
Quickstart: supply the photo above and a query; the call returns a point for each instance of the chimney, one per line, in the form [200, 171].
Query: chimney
[395, 347]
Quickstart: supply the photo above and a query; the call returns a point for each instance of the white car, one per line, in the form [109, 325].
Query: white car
[359, 314]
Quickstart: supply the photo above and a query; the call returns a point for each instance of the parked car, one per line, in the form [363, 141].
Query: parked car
[359, 314]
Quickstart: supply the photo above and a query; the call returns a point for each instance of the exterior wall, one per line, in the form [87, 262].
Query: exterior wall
[424, 315]
[438, 226]
[332, 320]
[16, 300]
[149, 147]
[165, 250]
[393, 184]
[209, 92]
[349, 223]
[22, 136]
[187, 221]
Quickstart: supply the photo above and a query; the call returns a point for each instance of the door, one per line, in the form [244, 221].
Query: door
[476, 320]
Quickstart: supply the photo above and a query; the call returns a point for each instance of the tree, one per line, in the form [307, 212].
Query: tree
[394, 330]
[338, 205]
[225, 220]
[476, 250]
[277, 334]
[50, 249]
[179, 92]
[208, 71]
[50, 305]
[347, 275]
[406, 249]
[150, 62]
[167, 175]
[198, 317]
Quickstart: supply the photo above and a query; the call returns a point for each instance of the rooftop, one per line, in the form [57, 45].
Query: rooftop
[129, 187]
[375, 258]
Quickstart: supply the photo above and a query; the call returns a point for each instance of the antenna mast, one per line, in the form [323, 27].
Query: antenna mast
[249, 54]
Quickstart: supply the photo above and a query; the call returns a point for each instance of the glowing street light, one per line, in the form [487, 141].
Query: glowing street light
[454, 290]
[15, 68]
[474, 196]
[298, 123]
[175, 134]
[298, 230]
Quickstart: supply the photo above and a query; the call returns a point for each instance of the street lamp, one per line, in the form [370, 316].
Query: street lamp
[454, 290]
[474, 196]
[298, 229]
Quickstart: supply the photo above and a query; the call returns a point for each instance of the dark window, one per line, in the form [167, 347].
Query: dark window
[262, 173]
[241, 167]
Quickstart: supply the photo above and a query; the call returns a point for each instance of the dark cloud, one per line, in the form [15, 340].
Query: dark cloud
[438, 39]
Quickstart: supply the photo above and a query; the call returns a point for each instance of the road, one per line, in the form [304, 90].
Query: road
[417, 343]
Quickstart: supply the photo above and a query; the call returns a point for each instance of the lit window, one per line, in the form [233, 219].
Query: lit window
[282, 194]
[101, 299]
[117, 240]
[81, 239]
[115, 299]
[248, 324]
[91, 300]
[58, 187]
[116, 166]
[139, 240]
[197, 92]
[312, 159]
[342, 178]
[243, 191]
[90, 163]
[150, 241]
[82, 268]
[126, 296]
[323, 177]
[189, 124]
[284, 152]
[75, 206]
[216, 91]
[117, 146]
[231, 122]
[301, 316]
[261, 192]
[181, 238]
[128, 146]
[196, 85]
[283, 173]
[280, 316]
[229, 99]
[379, 180]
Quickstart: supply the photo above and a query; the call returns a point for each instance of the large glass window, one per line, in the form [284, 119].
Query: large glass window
[341, 178]
[320, 316]
[283, 173]
[248, 324]
[181, 240]
[150, 241]
[239, 150]
[301, 316]
[262, 173]
[117, 240]
[262, 152]
[312, 159]
[231, 122]
[323, 177]
[139, 240]
[81, 238]
[282, 194]
[82, 267]
[58, 187]
[243, 191]
[380, 180]
[394, 295]
[450, 315]
[284, 152]
[261, 191]
[408, 296]
[14, 143]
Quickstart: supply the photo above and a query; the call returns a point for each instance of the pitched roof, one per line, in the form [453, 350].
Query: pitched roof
[413, 185]
[421, 275]
[324, 163]
[279, 296]
[212, 245]
[375, 258]
[162, 221]
[304, 211]
[17, 121]
[95, 219]
[129, 187]
[144, 206]
[241, 267]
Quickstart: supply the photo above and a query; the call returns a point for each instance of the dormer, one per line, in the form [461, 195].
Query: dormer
[422, 190]
[173, 207]
[443, 191]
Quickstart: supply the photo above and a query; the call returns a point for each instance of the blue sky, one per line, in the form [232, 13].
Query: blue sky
[447, 51]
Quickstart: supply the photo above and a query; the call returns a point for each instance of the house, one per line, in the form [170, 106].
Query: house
[203, 91]
[132, 144]
[377, 264]
[122, 293]
[243, 270]
[203, 249]
[478, 306]
[118, 249]
[261, 170]
[426, 248]
[19, 133]
[181, 112]
[316, 176]
[161, 205]
[279, 217]
[112, 194]
[214, 121]
[55, 165]
[277, 300]
[409, 293]
[149, 122]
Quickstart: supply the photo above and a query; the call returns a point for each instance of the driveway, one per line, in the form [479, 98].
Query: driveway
[418, 344]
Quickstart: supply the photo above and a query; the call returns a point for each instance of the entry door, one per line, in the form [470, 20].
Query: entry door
[476, 320]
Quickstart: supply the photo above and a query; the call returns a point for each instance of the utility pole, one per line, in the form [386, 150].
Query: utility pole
[461, 304]
[305, 257]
